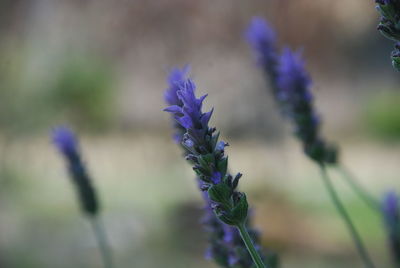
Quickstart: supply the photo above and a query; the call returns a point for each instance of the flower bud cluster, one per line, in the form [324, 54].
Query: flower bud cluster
[206, 153]
[67, 144]
[391, 216]
[290, 85]
[389, 26]
[226, 246]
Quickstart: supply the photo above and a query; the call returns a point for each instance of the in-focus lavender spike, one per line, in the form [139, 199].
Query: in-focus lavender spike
[197, 142]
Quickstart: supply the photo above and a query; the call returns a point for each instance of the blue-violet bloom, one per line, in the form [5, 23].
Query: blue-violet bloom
[391, 216]
[197, 139]
[65, 141]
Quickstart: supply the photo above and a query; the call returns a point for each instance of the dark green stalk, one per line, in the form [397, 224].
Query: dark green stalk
[250, 246]
[346, 218]
[363, 194]
[102, 241]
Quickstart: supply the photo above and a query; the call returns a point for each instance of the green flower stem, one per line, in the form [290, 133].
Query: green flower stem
[250, 246]
[346, 218]
[358, 188]
[102, 241]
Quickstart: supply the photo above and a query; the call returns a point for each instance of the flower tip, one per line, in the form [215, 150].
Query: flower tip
[176, 79]
[178, 74]
[259, 31]
[390, 197]
[64, 139]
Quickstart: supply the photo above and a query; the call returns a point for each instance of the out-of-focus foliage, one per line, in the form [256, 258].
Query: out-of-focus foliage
[83, 92]
[80, 91]
[382, 115]
[12, 102]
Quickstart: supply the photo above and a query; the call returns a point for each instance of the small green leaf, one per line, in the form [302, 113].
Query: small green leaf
[222, 166]
[220, 193]
[239, 212]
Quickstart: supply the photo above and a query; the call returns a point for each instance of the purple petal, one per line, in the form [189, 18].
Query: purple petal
[65, 140]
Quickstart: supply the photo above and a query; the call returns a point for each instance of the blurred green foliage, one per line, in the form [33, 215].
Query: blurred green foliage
[83, 92]
[381, 115]
[38, 92]
[12, 106]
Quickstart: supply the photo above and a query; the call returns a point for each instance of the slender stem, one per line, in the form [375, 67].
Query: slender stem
[250, 246]
[358, 188]
[346, 218]
[102, 241]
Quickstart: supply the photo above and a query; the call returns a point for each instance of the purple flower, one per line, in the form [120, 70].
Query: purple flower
[290, 85]
[389, 25]
[216, 177]
[188, 110]
[262, 39]
[192, 119]
[190, 114]
[390, 207]
[206, 153]
[65, 141]
[296, 101]
[391, 216]
[293, 80]
[176, 79]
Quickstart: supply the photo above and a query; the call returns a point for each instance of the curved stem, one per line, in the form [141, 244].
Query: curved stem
[250, 246]
[346, 218]
[358, 188]
[102, 241]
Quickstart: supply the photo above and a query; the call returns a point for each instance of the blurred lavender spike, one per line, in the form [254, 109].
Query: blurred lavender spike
[65, 141]
[391, 217]
[296, 101]
[262, 39]
[290, 85]
[389, 26]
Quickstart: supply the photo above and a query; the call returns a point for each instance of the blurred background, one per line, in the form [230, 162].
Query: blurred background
[100, 67]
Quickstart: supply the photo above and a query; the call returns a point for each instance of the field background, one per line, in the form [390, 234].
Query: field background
[100, 67]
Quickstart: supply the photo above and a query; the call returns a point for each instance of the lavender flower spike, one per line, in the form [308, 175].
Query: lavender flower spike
[296, 101]
[262, 39]
[206, 154]
[226, 247]
[209, 160]
[391, 216]
[290, 87]
[66, 142]
[389, 26]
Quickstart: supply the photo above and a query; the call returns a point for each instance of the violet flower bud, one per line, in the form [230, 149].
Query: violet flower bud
[290, 85]
[66, 142]
[389, 25]
[297, 105]
[176, 79]
[262, 39]
[391, 217]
